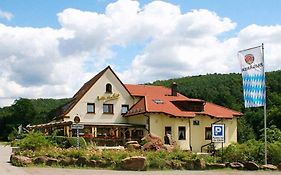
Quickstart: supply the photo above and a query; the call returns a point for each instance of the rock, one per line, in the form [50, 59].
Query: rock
[131, 142]
[177, 165]
[251, 166]
[101, 163]
[199, 164]
[236, 165]
[131, 145]
[150, 147]
[135, 163]
[51, 161]
[40, 160]
[67, 161]
[189, 165]
[168, 148]
[17, 160]
[216, 165]
[81, 161]
[279, 166]
[154, 142]
[268, 167]
[92, 163]
[168, 164]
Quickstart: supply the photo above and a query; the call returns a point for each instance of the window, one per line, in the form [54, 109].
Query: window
[168, 130]
[158, 101]
[90, 107]
[182, 133]
[208, 133]
[196, 122]
[167, 137]
[108, 88]
[124, 109]
[108, 108]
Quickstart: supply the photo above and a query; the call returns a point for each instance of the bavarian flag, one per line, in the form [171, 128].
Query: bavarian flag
[252, 67]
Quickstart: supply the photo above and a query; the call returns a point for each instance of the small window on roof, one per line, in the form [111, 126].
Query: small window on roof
[108, 88]
[158, 101]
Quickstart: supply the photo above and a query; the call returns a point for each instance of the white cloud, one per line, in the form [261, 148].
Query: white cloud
[47, 62]
[6, 15]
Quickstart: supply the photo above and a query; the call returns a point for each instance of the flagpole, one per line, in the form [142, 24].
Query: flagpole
[264, 110]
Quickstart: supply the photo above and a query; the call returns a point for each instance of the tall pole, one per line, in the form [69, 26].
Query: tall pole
[264, 110]
[77, 136]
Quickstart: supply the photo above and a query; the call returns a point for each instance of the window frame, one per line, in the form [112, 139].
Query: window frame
[124, 105]
[168, 128]
[94, 110]
[179, 131]
[110, 106]
[208, 130]
[108, 88]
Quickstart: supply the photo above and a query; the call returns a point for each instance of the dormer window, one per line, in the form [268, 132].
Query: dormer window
[158, 101]
[108, 88]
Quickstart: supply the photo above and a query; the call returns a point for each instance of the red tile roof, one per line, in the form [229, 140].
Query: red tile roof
[158, 99]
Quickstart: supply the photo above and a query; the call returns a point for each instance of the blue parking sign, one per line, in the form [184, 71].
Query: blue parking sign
[218, 133]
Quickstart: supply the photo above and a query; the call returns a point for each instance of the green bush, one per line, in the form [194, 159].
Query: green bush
[60, 141]
[33, 141]
[251, 150]
[274, 152]
[73, 142]
[156, 160]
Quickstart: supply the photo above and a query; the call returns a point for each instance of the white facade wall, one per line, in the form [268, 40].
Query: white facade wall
[99, 89]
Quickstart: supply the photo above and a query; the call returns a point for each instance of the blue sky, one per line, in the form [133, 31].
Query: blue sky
[41, 13]
[50, 48]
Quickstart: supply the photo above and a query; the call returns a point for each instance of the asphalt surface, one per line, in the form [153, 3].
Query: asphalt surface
[7, 169]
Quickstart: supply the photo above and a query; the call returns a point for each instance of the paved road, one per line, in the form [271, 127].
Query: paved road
[7, 169]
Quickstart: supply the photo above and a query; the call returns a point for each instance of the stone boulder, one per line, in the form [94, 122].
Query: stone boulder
[279, 166]
[131, 145]
[136, 163]
[154, 142]
[17, 160]
[81, 161]
[216, 165]
[52, 161]
[268, 167]
[40, 160]
[199, 164]
[177, 165]
[251, 166]
[92, 163]
[189, 164]
[67, 161]
[236, 165]
[168, 148]
[102, 163]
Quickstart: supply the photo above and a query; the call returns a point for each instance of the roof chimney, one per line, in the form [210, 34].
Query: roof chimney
[174, 89]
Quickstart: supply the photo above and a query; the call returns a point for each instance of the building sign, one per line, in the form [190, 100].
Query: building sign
[109, 97]
[218, 133]
[77, 126]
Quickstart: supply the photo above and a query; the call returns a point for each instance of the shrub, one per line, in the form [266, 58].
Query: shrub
[73, 142]
[33, 141]
[156, 160]
[251, 150]
[60, 141]
[274, 152]
[74, 153]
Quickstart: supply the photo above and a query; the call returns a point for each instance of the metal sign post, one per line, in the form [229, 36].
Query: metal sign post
[218, 135]
[76, 121]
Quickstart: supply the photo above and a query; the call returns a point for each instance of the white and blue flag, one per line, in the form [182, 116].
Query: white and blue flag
[252, 67]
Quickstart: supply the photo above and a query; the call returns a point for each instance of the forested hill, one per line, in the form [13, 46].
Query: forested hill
[226, 90]
[27, 111]
[222, 89]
